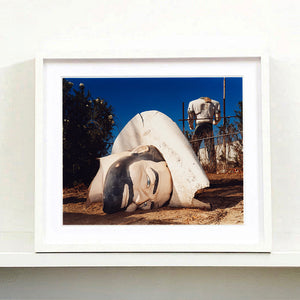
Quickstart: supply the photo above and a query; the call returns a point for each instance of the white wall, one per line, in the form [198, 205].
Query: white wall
[28, 26]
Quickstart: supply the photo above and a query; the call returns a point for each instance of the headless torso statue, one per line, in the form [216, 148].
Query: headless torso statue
[205, 112]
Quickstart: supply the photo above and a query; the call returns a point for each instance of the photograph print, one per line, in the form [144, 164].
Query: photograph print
[153, 151]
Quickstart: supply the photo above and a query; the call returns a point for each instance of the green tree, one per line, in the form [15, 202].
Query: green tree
[87, 133]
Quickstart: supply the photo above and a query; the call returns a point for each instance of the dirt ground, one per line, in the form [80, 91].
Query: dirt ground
[225, 195]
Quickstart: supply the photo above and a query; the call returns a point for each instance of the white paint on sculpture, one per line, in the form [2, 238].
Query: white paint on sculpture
[155, 128]
[151, 164]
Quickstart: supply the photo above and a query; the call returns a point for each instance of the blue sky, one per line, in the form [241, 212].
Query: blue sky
[129, 96]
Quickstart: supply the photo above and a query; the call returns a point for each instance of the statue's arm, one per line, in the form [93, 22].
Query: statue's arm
[217, 119]
[217, 114]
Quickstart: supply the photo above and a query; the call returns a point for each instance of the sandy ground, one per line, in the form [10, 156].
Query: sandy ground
[225, 196]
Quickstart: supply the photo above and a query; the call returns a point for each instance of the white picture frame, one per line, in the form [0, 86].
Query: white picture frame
[52, 236]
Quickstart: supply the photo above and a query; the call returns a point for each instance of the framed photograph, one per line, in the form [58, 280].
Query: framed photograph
[152, 153]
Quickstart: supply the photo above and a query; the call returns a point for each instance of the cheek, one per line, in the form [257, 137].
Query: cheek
[139, 180]
[137, 177]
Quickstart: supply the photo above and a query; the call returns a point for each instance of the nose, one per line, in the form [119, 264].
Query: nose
[141, 197]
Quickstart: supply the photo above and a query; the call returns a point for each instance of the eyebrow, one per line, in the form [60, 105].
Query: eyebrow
[156, 180]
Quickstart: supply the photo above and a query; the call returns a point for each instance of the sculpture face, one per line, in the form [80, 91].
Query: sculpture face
[151, 181]
[135, 179]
